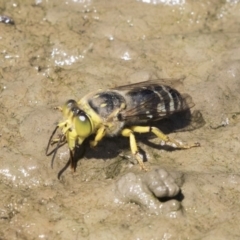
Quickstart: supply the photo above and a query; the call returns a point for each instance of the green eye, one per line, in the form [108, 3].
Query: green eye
[82, 125]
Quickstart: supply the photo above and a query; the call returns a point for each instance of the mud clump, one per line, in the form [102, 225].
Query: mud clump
[155, 191]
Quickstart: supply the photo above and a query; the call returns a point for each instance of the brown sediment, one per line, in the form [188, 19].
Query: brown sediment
[57, 51]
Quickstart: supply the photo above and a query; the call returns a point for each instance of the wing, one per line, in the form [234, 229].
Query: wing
[152, 101]
[172, 82]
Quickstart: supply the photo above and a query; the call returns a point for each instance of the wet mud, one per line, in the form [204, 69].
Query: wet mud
[52, 51]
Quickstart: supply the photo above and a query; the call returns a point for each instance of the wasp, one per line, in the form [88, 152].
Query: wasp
[124, 110]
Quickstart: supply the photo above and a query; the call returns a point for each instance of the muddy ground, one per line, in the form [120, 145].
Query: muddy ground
[58, 50]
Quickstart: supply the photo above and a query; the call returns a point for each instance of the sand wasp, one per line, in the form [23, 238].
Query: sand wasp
[123, 110]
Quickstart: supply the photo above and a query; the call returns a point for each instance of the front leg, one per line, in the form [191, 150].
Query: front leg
[99, 136]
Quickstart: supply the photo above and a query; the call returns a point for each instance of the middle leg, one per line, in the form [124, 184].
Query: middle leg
[133, 145]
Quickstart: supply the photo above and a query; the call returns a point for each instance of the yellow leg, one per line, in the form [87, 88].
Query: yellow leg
[166, 140]
[129, 132]
[62, 124]
[133, 145]
[99, 136]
